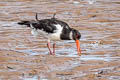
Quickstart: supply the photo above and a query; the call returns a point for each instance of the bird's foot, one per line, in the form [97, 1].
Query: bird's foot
[53, 53]
[50, 53]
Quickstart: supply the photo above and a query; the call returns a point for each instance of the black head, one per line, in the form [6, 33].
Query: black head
[76, 35]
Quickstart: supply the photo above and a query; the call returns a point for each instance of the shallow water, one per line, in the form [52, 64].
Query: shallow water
[96, 36]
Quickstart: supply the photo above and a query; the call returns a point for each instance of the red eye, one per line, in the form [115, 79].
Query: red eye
[77, 36]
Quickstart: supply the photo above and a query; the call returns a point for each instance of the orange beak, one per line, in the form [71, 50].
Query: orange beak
[78, 47]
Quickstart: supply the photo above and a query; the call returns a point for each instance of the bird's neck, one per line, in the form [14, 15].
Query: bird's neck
[66, 35]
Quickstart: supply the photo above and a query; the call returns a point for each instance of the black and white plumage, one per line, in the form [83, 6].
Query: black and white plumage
[53, 29]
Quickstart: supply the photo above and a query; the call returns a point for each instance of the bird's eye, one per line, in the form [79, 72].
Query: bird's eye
[77, 36]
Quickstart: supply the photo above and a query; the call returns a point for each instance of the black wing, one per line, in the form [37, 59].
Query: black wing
[48, 25]
[44, 25]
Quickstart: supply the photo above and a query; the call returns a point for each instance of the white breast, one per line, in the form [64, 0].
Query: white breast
[57, 33]
[50, 36]
[39, 33]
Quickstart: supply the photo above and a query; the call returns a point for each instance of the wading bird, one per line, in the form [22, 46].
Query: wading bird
[53, 29]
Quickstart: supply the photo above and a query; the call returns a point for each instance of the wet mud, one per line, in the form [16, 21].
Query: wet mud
[25, 57]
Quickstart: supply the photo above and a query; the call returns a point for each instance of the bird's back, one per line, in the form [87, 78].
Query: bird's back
[49, 25]
[52, 27]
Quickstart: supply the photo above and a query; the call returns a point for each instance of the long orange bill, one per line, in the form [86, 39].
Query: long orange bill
[78, 47]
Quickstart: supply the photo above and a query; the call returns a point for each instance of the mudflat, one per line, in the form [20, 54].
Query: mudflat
[25, 57]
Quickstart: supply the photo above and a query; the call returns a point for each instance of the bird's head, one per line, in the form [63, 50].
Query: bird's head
[76, 36]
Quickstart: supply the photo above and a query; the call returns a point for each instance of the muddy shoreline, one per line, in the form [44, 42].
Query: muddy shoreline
[25, 57]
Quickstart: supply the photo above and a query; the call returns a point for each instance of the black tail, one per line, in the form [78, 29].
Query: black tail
[24, 23]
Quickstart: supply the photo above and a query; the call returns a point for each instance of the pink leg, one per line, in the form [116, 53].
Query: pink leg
[54, 46]
[48, 45]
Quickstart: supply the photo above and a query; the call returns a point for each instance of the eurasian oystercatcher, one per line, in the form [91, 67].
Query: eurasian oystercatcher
[53, 29]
